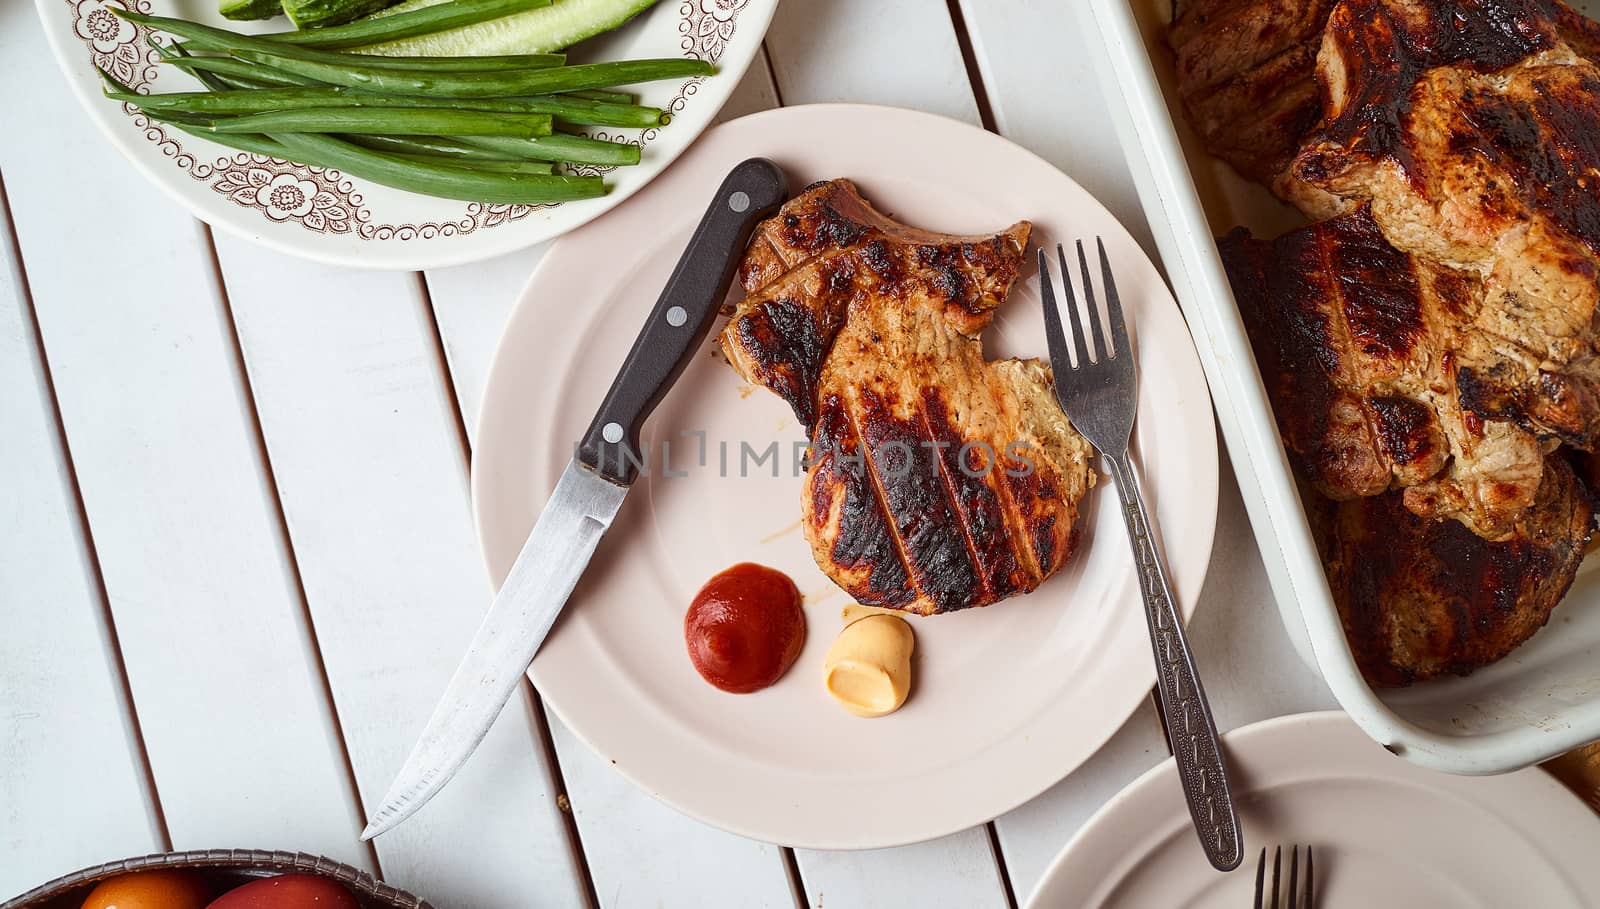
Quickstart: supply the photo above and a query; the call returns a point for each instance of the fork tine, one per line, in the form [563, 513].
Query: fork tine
[1310, 899]
[1078, 338]
[1052, 316]
[1277, 859]
[1117, 325]
[1261, 873]
[1294, 878]
[1092, 308]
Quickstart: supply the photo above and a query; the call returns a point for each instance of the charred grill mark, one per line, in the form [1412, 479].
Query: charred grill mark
[788, 346]
[883, 263]
[1406, 428]
[1487, 396]
[865, 538]
[1377, 287]
[1030, 496]
[1385, 57]
[1044, 540]
[820, 227]
[1455, 292]
[917, 504]
[982, 517]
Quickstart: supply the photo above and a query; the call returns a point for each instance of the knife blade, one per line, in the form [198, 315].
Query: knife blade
[587, 497]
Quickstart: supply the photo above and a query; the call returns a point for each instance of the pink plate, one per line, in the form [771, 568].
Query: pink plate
[1386, 832]
[1006, 700]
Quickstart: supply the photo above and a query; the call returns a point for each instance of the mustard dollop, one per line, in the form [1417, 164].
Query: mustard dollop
[868, 668]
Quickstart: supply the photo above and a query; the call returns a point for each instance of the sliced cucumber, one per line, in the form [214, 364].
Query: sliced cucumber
[240, 10]
[317, 13]
[537, 31]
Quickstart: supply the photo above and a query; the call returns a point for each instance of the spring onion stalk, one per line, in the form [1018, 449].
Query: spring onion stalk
[435, 146]
[372, 30]
[443, 180]
[483, 164]
[482, 85]
[600, 94]
[383, 121]
[561, 148]
[204, 37]
[239, 69]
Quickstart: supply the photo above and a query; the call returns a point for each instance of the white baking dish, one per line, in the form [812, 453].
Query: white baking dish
[1540, 701]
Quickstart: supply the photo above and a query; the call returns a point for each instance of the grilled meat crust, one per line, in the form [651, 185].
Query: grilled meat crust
[1247, 77]
[1421, 599]
[1361, 350]
[938, 480]
[1473, 131]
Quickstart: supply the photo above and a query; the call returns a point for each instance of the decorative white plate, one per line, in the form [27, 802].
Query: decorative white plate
[1006, 700]
[1386, 832]
[325, 215]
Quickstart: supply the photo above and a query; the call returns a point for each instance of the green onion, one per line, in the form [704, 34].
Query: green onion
[204, 37]
[482, 165]
[406, 25]
[435, 146]
[598, 94]
[482, 85]
[239, 69]
[380, 121]
[572, 149]
[442, 180]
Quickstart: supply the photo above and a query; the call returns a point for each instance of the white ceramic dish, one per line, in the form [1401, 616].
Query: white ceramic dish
[1542, 700]
[1386, 833]
[1006, 700]
[330, 217]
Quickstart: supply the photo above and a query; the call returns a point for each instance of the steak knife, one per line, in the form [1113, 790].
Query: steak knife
[588, 495]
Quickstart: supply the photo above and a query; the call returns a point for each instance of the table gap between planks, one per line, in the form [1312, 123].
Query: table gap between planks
[237, 561]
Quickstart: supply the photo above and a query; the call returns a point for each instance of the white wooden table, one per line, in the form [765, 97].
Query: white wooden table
[236, 558]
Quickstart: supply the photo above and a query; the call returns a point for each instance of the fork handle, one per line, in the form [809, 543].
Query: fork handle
[1184, 710]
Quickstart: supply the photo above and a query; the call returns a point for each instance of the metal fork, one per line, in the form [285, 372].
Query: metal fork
[1298, 898]
[1099, 390]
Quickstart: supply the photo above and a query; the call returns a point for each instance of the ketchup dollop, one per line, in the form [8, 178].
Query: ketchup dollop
[745, 628]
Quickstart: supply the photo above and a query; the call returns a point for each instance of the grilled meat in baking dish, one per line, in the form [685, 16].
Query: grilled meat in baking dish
[1247, 72]
[1247, 78]
[1473, 131]
[1370, 358]
[938, 480]
[1420, 598]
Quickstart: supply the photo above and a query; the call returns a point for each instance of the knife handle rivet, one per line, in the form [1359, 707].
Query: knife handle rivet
[739, 201]
[611, 432]
[676, 316]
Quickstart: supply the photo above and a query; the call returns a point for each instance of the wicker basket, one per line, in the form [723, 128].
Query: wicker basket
[225, 867]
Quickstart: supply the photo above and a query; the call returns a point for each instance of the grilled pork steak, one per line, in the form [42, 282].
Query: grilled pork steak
[1247, 76]
[938, 480]
[1420, 599]
[1369, 357]
[1473, 130]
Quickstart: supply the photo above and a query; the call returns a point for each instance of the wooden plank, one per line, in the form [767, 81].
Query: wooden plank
[1040, 81]
[1251, 670]
[957, 871]
[66, 724]
[902, 53]
[1027, 55]
[226, 682]
[639, 851]
[1032, 834]
[367, 456]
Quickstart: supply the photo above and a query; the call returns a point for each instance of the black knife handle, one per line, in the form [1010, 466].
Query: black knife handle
[681, 318]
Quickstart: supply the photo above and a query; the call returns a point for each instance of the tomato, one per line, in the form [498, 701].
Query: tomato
[745, 628]
[158, 888]
[287, 891]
